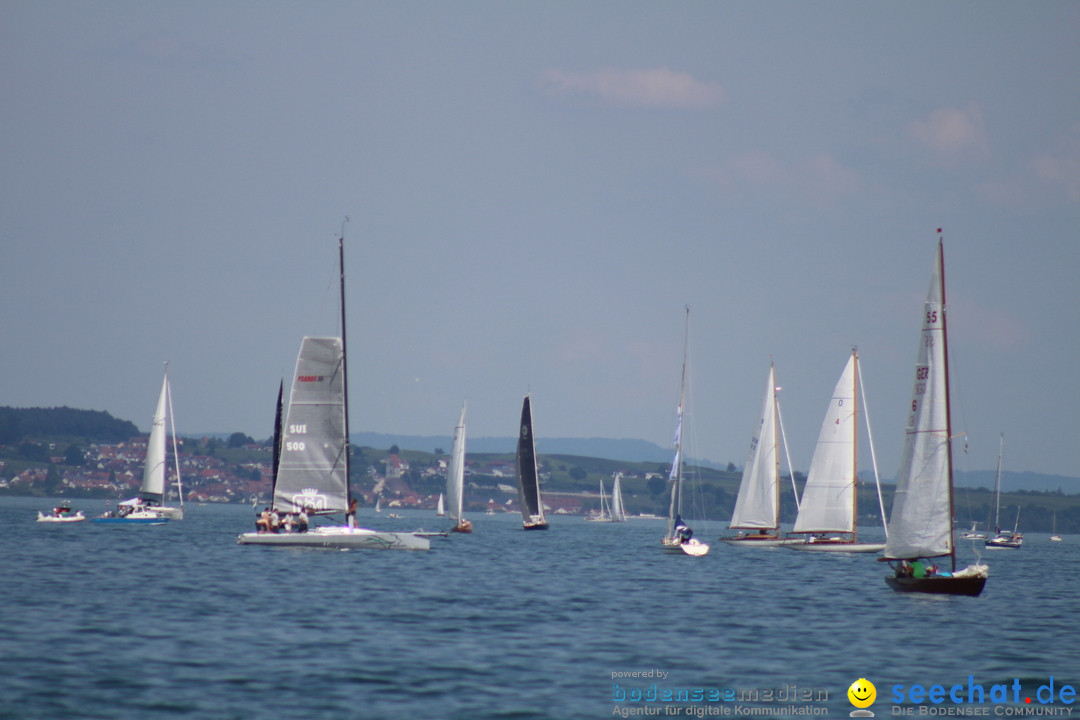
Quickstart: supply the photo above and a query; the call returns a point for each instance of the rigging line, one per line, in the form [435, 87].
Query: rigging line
[873, 455]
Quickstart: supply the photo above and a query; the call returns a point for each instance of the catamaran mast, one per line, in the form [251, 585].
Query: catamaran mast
[948, 409]
[344, 363]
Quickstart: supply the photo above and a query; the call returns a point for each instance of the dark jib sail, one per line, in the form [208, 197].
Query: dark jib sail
[532, 505]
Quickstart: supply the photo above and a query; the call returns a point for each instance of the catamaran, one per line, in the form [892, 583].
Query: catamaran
[679, 537]
[311, 472]
[532, 503]
[921, 523]
[757, 506]
[148, 507]
[455, 478]
[828, 512]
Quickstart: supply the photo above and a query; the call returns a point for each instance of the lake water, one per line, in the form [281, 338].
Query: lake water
[178, 621]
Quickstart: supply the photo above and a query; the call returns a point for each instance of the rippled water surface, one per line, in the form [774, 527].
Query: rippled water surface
[179, 621]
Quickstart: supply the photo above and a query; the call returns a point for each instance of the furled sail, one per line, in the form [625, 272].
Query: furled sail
[313, 471]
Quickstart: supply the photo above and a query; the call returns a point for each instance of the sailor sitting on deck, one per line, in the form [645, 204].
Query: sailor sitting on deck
[682, 531]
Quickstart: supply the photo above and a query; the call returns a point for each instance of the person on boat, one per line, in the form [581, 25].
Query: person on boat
[302, 521]
[350, 516]
[682, 530]
[262, 523]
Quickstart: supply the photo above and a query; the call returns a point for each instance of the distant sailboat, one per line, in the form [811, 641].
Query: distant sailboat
[611, 511]
[1054, 537]
[921, 523]
[1010, 539]
[312, 476]
[679, 536]
[455, 478]
[829, 500]
[532, 503]
[618, 510]
[148, 508]
[440, 507]
[757, 506]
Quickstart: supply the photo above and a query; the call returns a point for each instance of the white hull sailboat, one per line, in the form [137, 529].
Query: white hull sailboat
[148, 507]
[921, 523]
[311, 470]
[757, 507]
[455, 478]
[1003, 539]
[532, 502]
[828, 512]
[679, 536]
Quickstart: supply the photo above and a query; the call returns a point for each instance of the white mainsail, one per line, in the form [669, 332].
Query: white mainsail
[455, 474]
[153, 482]
[828, 500]
[758, 502]
[313, 470]
[920, 525]
[618, 514]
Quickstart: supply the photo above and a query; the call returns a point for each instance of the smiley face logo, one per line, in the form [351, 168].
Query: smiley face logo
[862, 693]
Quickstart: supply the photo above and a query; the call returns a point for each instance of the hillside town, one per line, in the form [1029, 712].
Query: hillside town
[211, 472]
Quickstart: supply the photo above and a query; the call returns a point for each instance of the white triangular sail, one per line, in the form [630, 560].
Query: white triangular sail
[153, 482]
[618, 513]
[920, 525]
[455, 474]
[758, 503]
[313, 470]
[828, 500]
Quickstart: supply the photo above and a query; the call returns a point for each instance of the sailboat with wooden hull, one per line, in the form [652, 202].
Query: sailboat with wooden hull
[679, 537]
[921, 523]
[529, 497]
[311, 473]
[149, 508]
[455, 478]
[757, 507]
[829, 508]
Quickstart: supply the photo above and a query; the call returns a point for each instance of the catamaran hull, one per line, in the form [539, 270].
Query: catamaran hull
[339, 537]
[836, 547]
[970, 586]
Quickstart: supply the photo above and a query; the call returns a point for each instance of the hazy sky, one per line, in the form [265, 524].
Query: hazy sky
[536, 189]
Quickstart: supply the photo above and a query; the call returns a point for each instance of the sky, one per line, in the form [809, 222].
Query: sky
[534, 192]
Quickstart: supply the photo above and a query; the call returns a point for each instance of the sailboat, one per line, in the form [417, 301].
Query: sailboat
[532, 504]
[455, 478]
[921, 523]
[1003, 538]
[618, 510]
[679, 536]
[829, 500]
[311, 473]
[440, 507]
[611, 511]
[1054, 537]
[757, 506]
[148, 507]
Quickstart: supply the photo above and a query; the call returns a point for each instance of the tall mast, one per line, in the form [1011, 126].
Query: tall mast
[855, 448]
[775, 439]
[948, 410]
[344, 362]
